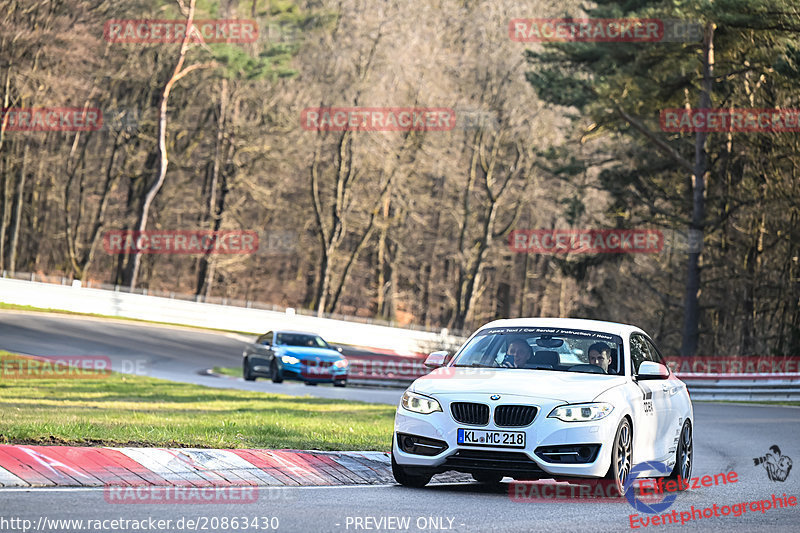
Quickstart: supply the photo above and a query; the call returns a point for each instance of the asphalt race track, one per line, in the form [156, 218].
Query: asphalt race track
[727, 438]
[166, 352]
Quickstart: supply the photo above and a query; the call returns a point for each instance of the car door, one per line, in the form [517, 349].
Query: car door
[262, 348]
[656, 401]
[647, 445]
[669, 425]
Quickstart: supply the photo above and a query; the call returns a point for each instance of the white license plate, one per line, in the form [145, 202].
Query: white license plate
[481, 437]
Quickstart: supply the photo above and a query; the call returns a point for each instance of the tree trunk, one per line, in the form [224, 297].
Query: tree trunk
[177, 74]
[213, 211]
[12, 261]
[691, 317]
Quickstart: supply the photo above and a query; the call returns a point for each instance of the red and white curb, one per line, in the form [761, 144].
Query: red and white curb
[71, 466]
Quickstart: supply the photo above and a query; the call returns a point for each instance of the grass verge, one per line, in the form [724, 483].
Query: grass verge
[227, 371]
[118, 409]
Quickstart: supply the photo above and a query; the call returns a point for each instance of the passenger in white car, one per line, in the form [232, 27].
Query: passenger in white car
[600, 355]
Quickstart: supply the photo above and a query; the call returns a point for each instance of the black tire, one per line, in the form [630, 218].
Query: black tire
[684, 455]
[402, 476]
[274, 373]
[487, 478]
[621, 456]
[248, 376]
[340, 383]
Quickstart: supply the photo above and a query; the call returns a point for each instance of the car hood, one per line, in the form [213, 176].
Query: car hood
[563, 386]
[307, 352]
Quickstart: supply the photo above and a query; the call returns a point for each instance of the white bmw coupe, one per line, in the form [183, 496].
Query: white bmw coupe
[535, 398]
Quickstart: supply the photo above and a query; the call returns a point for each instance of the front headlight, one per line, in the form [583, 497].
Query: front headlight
[289, 360]
[341, 363]
[581, 412]
[417, 403]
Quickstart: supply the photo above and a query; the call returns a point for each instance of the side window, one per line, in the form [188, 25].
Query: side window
[266, 340]
[654, 353]
[639, 352]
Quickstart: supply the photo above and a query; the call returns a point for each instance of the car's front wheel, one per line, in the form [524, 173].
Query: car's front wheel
[621, 455]
[275, 373]
[683, 456]
[246, 372]
[409, 479]
[340, 383]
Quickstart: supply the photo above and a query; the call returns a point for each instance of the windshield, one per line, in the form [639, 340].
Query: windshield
[556, 349]
[300, 339]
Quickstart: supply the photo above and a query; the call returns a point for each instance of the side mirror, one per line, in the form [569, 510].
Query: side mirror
[652, 370]
[436, 359]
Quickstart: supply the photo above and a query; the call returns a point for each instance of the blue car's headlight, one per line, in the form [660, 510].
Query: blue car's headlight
[582, 412]
[289, 360]
[341, 363]
[418, 403]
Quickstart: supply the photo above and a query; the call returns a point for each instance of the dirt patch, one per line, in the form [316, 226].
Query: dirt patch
[52, 440]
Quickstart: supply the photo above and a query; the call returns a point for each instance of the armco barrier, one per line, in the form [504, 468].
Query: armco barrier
[743, 387]
[769, 382]
[233, 318]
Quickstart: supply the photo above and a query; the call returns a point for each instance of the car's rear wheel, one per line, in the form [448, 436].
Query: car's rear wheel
[246, 372]
[621, 455]
[487, 478]
[409, 479]
[683, 455]
[275, 373]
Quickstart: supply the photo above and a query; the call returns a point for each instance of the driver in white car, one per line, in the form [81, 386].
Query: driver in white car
[518, 354]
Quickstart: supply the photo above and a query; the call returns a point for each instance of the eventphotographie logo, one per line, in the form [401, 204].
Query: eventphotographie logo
[777, 465]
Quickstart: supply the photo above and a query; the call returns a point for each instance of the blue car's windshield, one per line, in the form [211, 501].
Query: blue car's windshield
[544, 349]
[299, 339]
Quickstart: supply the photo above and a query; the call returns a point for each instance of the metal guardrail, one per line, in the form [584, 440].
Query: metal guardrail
[58, 279]
[389, 372]
[742, 387]
[207, 315]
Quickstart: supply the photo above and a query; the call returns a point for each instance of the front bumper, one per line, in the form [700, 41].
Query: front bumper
[299, 371]
[544, 435]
